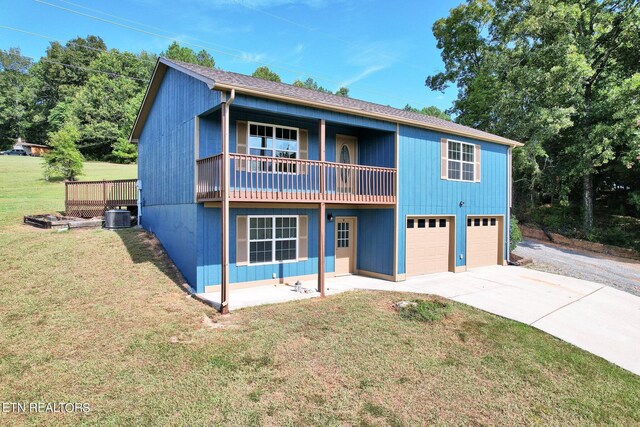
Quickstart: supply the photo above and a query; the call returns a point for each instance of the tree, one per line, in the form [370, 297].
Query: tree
[313, 85]
[343, 91]
[185, 54]
[14, 77]
[310, 84]
[431, 110]
[266, 74]
[57, 76]
[65, 159]
[106, 106]
[554, 75]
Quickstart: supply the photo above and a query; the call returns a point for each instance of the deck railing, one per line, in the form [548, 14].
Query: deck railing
[88, 199]
[259, 178]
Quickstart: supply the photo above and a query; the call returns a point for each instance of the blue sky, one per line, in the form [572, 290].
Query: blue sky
[381, 50]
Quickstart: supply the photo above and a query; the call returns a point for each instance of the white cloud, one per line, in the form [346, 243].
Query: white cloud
[252, 57]
[367, 71]
[298, 49]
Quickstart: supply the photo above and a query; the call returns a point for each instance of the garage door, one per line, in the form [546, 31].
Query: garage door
[484, 241]
[428, 245]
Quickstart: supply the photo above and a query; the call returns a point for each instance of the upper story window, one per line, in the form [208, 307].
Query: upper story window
[274, 141]
[279, 142]
[461, 161]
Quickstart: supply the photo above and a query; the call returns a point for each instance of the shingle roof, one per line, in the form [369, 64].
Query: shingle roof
[227, 79]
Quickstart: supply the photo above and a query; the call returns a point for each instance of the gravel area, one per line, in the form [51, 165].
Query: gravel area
[620, 273]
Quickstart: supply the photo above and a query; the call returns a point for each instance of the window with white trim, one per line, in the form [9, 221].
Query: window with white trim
[461, 161]
[280, 142]
[273, 239]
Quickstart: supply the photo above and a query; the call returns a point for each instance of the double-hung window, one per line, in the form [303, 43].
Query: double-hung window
[279, 142]
[273, 239]
[461, 161]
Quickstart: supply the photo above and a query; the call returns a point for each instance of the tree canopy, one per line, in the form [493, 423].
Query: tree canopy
[81, 85]
[266, 74]
[431, 110]
[563, 77]
[186, 54]
[14, 69]
[313, 85]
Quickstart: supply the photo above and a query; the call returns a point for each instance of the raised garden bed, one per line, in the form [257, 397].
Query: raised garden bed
[56, 221]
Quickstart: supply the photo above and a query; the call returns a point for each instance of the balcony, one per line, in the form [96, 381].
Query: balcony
[272, 179]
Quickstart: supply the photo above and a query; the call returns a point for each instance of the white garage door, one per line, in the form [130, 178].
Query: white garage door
[484, 241]
[428, 245]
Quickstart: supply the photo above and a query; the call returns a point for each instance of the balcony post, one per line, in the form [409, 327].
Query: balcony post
[321, 208]
[224, 282]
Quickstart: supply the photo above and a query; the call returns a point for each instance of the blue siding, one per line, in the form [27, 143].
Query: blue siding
[166, 166]
[375, 249]
[423, 192]
[210, 135]
[209, 247]
[375, 148]
[282, 108]
[375, 240]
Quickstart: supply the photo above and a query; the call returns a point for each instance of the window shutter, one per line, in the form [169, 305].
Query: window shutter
[303, 237]
[242, 240]
[443, 158]
[477, 165]
[303, 148]
[242, 137]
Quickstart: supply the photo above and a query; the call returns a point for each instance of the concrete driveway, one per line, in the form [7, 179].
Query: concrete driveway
[592, 316]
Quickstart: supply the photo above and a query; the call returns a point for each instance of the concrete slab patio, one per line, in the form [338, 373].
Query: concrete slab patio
[594, 317]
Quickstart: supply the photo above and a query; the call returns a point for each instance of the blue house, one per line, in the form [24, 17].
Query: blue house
[249, 182]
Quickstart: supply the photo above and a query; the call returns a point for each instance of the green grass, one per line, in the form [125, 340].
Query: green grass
[24, 190]
[97, 316]
[426, 311]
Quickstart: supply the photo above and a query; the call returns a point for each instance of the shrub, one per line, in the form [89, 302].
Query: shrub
[65, 159]
[425, 310]
[515, 235]
[124, 151]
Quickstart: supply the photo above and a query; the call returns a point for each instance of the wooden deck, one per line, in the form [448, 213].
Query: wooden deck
[88, 199]
[269, 179]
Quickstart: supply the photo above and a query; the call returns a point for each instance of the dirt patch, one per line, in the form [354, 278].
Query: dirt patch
[535, 233]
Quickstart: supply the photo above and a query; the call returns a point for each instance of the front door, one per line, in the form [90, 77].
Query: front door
[345, 245]
[346, 153]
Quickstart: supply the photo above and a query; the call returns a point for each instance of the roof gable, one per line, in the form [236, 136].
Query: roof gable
[225, 80]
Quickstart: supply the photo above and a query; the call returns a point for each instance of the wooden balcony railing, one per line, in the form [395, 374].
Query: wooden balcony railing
[258, 178]
[88, 199]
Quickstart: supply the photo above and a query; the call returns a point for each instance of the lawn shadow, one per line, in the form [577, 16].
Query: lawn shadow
[143, 247]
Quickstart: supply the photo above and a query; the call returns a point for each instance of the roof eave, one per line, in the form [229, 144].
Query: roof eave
[163, 63]
[379, 116]
[152, 90]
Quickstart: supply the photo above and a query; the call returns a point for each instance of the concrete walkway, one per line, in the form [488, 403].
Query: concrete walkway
[594, 317]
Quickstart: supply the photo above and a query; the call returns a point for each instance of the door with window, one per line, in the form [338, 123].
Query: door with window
[346, 153]
[345, 245]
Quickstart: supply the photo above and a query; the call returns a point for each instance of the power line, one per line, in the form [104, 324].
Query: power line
[222, 52]
[313, 29]
[52, 39]
[113, 16]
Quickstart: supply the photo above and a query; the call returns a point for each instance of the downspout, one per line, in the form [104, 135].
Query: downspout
[224, 292]
[509, 202]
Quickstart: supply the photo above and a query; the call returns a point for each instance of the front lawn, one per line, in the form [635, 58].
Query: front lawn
[96, 316]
